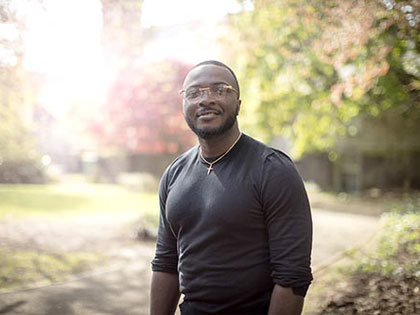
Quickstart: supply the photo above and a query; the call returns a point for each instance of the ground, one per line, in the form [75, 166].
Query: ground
[121, 285]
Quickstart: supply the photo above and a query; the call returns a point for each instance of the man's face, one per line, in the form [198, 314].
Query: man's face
[209, 116]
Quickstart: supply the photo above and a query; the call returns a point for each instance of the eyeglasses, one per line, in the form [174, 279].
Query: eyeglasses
[217, 91]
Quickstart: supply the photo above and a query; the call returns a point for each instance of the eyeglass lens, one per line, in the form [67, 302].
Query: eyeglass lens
[214, 91]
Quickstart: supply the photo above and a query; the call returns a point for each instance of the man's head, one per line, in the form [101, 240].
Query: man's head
[213, 109]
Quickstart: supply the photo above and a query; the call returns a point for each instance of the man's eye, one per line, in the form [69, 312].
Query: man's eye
[220, 90]
[192, 93]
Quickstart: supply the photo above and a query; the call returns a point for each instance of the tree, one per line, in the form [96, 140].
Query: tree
[309, 68]
[143, 111]
[122, 34]
[19, 159]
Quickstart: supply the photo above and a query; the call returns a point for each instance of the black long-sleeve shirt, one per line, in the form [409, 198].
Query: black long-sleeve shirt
[231, 235]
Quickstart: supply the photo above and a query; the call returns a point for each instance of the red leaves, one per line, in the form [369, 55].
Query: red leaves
[144, 110]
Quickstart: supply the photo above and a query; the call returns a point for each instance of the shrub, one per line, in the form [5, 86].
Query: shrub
[22, 171]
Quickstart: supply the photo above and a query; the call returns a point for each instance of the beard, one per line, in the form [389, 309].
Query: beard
[208, 133]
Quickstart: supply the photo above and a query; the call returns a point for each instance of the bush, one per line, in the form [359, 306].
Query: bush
[143, 182]
[399, 245]
[386, 281]
[22, 172]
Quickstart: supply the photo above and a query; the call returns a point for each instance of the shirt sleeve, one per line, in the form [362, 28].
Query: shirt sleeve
[166, 254]
[289, 223]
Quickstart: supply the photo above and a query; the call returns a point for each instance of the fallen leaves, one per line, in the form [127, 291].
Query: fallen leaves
[377, 294]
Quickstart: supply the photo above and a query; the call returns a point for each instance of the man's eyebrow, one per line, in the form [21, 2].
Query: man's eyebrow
[215, 83]
[219, 83]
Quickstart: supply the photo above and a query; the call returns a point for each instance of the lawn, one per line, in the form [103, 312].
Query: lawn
[21, 267]
[76, 199]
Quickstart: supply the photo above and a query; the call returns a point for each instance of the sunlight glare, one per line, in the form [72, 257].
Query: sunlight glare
[167, 12]
[187, 30]
[63, 43]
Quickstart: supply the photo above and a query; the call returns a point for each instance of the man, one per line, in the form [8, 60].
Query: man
[235, 229]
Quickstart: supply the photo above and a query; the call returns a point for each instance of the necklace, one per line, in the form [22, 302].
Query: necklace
[210, 168]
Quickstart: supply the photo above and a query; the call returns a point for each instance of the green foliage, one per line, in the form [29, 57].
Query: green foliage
[19, 161]
[308, 69]
[18, 156]
[150, 217]
[399, 246]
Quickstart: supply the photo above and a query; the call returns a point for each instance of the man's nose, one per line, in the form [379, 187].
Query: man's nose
[206, 97]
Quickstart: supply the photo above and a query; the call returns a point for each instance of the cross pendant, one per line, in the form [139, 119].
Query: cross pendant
[209, 169]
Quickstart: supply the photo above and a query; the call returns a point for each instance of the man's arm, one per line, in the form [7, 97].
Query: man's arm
[285, 302]
[164, 294]
[289, 226]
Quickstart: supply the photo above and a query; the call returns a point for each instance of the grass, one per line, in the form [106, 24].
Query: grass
[19, 268]
[74, 200]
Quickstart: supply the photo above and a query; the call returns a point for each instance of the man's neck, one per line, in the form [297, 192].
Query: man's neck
[218, 145]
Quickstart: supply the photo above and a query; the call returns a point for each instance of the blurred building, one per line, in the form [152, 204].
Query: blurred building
[384, 153]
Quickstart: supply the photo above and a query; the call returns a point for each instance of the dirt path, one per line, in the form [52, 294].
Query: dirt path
[123, 287]
[335, 232]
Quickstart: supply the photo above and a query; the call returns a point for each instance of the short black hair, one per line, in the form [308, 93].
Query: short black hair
[220, 64]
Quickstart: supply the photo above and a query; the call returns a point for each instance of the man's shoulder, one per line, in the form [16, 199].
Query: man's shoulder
[182, 160]
[186, 156]
[268, 153]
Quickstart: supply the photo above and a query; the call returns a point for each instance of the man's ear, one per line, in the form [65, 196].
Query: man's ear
[238, 107]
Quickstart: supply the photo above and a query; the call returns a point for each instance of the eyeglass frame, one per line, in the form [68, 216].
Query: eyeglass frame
[229, 87]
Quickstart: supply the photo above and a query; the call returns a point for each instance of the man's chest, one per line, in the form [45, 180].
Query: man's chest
[222, 200]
